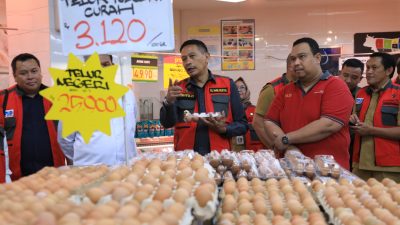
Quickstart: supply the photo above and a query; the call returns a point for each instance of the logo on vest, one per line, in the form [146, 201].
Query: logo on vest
[9, 113]
[218, 90]
[359, 100]
[187, 95]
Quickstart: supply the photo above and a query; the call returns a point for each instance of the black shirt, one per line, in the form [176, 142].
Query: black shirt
[35, 141]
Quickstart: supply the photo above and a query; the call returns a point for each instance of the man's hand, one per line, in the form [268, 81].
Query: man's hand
[216, 123]
[354, 119]
[362, 129]
[278, 145]
[174, 91]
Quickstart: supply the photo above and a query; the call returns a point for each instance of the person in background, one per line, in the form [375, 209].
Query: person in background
[267, 94]
[376, 122]
[352, 73]
[250, 141]
[312, 113]
[116, 149]
[32, 140]
[202, 92]
[397, 80]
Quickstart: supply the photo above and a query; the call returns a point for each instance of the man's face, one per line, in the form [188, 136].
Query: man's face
[105, 60]
[305, 64]
[28, 76]
[351, 75]
[194, 61]
[376, 74]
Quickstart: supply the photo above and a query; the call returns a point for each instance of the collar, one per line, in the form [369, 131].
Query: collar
[21, 92]
[324, 76]
[385, 86]
[192, 82]
[284, 79]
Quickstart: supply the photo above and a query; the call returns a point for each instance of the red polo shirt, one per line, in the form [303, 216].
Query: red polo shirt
[293, 109]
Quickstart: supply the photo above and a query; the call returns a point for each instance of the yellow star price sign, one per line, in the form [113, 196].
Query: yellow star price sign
[85, 96]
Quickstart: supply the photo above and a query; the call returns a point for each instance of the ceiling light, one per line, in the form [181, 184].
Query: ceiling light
[233, 1]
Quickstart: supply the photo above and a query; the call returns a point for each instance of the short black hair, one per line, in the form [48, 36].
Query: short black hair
[355, 63]
[22, 58]
[388, 60]
[311, 42]
[196, 42]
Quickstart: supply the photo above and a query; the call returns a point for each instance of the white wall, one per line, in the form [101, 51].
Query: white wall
[31, 18]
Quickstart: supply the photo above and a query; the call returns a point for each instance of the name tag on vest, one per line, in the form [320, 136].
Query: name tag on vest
[218, 90]
[9, 113]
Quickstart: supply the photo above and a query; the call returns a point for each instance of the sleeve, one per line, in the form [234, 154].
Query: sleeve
[337, 102]
[168, 115]
[265, 99]
[276, 107]
[67, 143]
[239, 124]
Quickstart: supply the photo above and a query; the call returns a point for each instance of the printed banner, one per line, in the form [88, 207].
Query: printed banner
[144, 68]
[377, 42]
[238, 39]
[116, 26]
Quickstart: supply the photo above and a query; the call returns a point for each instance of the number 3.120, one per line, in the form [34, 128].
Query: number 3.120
[84, 34]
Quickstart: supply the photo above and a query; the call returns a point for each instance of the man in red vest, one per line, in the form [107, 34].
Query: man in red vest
[202, 92]
[313, 112]
[376, 122]
[267, 94]
[32, 140]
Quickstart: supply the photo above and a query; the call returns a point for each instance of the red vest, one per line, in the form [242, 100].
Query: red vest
[217, 98]
[279, 83]
[251, 139]
[14, 144]
[387, 151]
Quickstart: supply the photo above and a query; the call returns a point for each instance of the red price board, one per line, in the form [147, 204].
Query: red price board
[116, 26]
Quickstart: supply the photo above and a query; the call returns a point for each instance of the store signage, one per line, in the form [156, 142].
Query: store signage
[84, 96]
[144, 68]
[116, 26]
[173, 69]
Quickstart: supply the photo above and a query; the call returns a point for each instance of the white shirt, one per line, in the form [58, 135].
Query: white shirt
[104, 149]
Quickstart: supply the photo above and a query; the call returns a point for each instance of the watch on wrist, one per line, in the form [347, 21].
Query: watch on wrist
[285, 140]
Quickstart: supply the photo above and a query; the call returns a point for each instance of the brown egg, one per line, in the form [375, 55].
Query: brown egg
[310, 204]
[186, 185]
[280, 220]
[126, 212]
[196, 164]
[148, 188]
[277, 207]
[229, 187]
[170, 218]
[244, 219]
[229, 204]
[227, 217]
[295, 207]
[186, 172]
[260, 207]
[203, 195]
[170, 172]
[119, 193]
[177, 209]
[261, 219]
[245, 207]
[130, 221]
[163, 193]
[145, 217]
[155, 171]
[149, 180]
[258, 188]
[141, 195]
[201, 174]
[245, 195]
[181, 195]
[132, 178]
[70, 217]
[46, 218]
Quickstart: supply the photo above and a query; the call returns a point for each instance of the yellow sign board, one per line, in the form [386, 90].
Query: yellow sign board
[144, 68]
[173, 69]
[85, 96]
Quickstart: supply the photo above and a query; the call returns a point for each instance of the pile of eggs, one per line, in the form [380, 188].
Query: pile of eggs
[359, 202]
[152, 191]
[265, 202]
